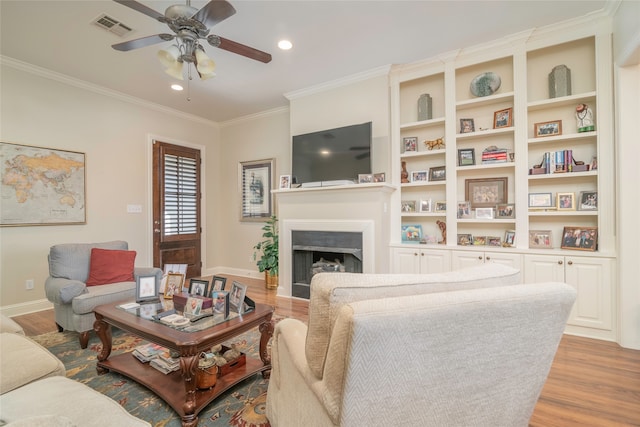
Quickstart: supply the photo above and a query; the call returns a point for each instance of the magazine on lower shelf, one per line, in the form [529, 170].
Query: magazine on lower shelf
[158, 357]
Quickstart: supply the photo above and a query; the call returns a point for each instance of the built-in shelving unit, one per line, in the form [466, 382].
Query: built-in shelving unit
[523, 65]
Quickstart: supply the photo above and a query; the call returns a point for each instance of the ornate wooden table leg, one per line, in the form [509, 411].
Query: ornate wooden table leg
[266, 332]
[103, 330]
[188, 365]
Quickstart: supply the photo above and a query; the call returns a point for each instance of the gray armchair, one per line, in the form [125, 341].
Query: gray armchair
[74, 301]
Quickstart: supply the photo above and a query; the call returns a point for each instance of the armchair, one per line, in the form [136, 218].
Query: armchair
[466, 348]
[66, 287]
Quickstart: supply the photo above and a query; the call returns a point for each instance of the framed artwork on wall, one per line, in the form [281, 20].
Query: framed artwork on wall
[255, 180]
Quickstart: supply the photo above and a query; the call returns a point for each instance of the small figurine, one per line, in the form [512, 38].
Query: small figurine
[443, 230]
[436, 143]
[404, 175]
[584, 117]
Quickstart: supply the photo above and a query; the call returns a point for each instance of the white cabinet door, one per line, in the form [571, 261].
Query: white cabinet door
[420, 261]
[463, 259]
[543, 268]
[594, 281]
[406, 260]
[435, 261]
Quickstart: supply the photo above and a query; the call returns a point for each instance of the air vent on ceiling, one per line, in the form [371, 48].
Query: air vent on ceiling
[112, 25]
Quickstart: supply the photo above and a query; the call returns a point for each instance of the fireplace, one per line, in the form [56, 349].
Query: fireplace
[322, 251]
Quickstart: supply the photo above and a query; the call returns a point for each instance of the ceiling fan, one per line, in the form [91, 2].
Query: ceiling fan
[190, 25]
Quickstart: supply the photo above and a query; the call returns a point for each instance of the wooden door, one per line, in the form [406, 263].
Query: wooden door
[176, 207]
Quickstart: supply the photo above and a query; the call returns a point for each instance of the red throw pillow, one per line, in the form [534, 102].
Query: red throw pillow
[110, 266]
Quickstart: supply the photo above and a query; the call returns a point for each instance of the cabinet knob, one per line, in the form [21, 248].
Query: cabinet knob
[488, 258]
[480, 257]
[559, 262]
[415, 254]
[422, 254]
[570, 262]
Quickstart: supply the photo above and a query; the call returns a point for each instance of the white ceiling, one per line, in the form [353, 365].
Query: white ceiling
[332, 40]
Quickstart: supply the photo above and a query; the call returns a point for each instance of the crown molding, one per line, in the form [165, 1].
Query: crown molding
[255, 116]
[81, 84]
[334, 84]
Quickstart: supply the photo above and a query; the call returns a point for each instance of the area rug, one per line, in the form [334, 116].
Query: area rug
[241, 406]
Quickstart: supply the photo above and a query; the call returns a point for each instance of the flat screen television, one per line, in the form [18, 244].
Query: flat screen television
[332, 155]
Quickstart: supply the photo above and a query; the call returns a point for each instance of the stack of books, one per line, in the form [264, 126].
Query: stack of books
[165, 363]
[497, 155]
[147, 352]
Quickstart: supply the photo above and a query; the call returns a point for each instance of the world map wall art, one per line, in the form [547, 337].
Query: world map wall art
[41, 186]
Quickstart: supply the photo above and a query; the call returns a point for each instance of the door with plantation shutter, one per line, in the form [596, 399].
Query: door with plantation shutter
[176, 207]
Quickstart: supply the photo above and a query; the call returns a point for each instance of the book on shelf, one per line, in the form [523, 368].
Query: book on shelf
[147, 352]
[497, 155]
[166, 365]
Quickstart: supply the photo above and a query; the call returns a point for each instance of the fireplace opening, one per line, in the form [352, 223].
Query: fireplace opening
[323, 251]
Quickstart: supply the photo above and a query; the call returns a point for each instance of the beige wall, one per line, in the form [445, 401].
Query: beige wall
[115, 135]
[265, 136]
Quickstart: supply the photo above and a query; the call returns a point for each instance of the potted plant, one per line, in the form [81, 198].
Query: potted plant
[268, 248]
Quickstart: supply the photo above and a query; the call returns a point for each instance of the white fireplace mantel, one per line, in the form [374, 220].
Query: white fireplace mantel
[359, 208]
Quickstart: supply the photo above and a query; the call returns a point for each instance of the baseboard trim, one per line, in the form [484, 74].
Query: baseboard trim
[251, 274]
[26, 307]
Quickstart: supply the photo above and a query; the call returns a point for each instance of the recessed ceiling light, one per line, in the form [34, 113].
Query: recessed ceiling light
[176, 87]
[285, 44]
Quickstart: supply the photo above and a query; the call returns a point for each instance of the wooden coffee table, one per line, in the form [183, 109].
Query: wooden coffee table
[189, 345]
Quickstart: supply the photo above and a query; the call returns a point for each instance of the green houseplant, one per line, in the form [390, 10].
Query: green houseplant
[268, 248]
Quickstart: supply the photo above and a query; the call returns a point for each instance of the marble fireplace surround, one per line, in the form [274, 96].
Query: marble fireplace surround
[360, 208]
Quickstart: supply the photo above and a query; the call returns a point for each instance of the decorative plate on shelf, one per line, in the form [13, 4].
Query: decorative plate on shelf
[485, 84]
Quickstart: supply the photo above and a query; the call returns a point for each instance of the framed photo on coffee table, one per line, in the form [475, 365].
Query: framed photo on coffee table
[236, 296]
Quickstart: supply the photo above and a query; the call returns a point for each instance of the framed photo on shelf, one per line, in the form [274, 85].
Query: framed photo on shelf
[485, 192]
[173, 285]
[255, 181]
[379, 177]
[465, 239]
[540, 201]
[437, 173]
[466, 156]
[551, 128]
[424, 206]
[503, 118]
[236, 297]
[509, 238]
[147, 288]
[410, 144]
[505, 211]
[588, 201]
[566, 201]
[467, 125]
[408, 206]
[479, 240]
[218, 282]
[540, 239]
[464, 210]
[484, 213]
[285, 182]
[419, 176]
[365, 178]
[199, 287]
[580, 238]
[494, 241]
[440, 207]
[411, 233]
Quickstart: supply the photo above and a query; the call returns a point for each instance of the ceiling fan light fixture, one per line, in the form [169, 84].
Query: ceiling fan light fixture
[175, 71]
[204, 64]
[169, 56]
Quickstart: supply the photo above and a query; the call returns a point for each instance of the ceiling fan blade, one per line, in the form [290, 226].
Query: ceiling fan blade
[139, 7]
[142, 42]
[239, 48]
[214, 12]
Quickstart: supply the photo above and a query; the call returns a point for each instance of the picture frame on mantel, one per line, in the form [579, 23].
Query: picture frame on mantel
[255, 181]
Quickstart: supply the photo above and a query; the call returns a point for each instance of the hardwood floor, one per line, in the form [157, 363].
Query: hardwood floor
[592, 383]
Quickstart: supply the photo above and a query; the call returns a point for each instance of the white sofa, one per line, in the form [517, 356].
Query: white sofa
[34, 391]
[466, 348]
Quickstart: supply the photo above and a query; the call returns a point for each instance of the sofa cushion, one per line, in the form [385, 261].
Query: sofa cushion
[42, 421]
[83, 405]
[330, 291]
[71, 260]
[110, 266]
[23, 361]
[7, 324]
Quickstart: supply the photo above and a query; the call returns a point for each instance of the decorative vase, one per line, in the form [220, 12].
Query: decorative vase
[425, 111]
[404, 175]
[559, 81]
[270, 280]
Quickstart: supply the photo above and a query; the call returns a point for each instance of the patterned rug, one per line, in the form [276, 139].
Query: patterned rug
[242, 406]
